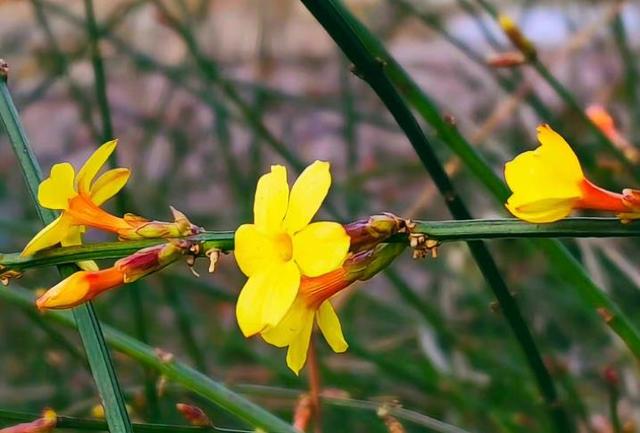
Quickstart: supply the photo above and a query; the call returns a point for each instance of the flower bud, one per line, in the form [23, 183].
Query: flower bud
[194, 415]
[83, 286]
[45, 424]
[367, 232]
[142, 228]
[517, 38]
[506, 60]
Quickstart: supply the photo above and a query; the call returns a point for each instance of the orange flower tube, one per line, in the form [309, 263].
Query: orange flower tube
[83, 286]
[313, 304]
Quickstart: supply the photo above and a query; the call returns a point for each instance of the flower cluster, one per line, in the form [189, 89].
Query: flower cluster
[548, 183]
[294, 266]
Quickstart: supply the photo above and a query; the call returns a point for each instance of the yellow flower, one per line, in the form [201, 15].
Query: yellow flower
[548, 183]
[282, 245]
[294, 330]
[79, 198]
[313, 303]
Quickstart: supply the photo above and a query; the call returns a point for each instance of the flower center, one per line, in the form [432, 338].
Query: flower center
[284, 246]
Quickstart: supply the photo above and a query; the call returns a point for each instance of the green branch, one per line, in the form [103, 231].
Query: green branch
[173, 370]
[565, 266]
[442, 231]
[340, 25]
[85, 317]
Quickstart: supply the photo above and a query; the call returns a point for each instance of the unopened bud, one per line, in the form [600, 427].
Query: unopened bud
[517, 38]
[45, 424]
[506, 60]
[605, 123]
[83, 286]
[142, 228]
[194, 415]
[148, 260]
[367, 232]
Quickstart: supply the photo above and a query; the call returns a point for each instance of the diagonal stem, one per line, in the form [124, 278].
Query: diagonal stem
[85, 316]
[372, 71]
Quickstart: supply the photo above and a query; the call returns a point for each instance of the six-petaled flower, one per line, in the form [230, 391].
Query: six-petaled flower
[282, 245]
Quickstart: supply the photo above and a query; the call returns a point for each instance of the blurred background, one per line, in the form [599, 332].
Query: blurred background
[200, 116]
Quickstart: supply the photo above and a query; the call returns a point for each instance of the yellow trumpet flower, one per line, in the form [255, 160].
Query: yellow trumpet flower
[79, 198]
[282, 245]
[548, 183]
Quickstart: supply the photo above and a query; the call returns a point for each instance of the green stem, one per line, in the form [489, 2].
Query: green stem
[631, 75]
[331, 16]
[100, 86]
[443, 231]
[564, 263]
[176, 371]
[107, 250]
[85, 317]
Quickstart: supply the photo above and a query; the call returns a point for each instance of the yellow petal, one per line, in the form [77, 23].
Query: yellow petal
[320, 248]
[109, 184]
[254, 251]
[66, 293]
[545, 182]
[251, 303]
[266, 297]
[307, 194]
[48, 236]
[282, 283]
[544, 211]
[272, 196]
[290, 326]
[555, 148]
[55, 191]
[74, 237]
[329, 324]
[94, 164]
[297, 353]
